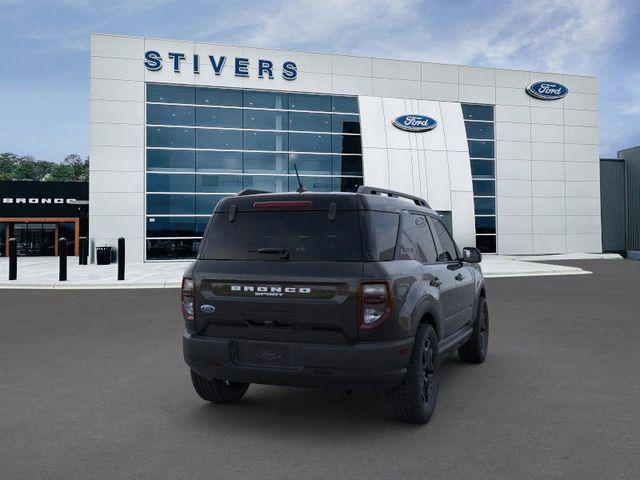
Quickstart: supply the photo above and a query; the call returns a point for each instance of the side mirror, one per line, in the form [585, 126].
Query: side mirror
[471, 255]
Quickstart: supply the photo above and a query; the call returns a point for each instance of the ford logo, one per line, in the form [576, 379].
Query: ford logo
[207, 308]
[547, 90]
[415, 123]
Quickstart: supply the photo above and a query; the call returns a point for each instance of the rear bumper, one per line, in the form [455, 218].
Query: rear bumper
[373, 366]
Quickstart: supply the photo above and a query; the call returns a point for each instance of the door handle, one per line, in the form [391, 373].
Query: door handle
[459, 277]
[435, 282]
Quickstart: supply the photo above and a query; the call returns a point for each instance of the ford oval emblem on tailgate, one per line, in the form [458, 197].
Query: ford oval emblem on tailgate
[207, 308]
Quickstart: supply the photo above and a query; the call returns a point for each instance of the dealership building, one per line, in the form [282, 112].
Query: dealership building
[508, 157]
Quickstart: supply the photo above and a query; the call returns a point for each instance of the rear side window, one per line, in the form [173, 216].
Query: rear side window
[447, 250]
[416, 240]
[303, 235]
[381, 234]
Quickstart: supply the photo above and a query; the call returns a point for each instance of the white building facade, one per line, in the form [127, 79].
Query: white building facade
[177, 125]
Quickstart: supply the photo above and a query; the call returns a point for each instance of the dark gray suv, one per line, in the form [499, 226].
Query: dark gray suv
[353, 291]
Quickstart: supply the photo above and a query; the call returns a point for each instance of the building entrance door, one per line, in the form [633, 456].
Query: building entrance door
[35, 239]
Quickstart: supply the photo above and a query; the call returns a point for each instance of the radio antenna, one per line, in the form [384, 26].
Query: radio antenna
[300, 188]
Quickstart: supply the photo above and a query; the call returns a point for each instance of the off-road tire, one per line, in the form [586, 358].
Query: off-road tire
[218, 391]
[474, 350]
[415, 400]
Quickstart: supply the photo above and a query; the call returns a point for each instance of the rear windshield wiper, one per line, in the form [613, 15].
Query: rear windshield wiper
[283, 252]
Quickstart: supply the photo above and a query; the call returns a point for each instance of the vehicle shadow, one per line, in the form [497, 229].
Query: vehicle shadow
[283, 410]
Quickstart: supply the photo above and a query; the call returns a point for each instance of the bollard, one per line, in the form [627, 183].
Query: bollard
[121, 254]
[13, 259]
[85, 260]
[82, 251]
[62, 253]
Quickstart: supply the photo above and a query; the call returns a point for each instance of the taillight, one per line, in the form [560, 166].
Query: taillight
[375, 304]
[186, 298]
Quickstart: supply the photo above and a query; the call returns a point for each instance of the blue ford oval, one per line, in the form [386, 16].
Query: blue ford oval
[547, 90]
[415, 123]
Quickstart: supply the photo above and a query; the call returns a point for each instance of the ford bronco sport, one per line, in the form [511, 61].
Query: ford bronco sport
[352, 291]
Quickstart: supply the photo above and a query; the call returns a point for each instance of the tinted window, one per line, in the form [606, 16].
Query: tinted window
[345, 124]
[260, 162]
[346, 144]
[317, 103]
[484, 188]
[265, 99]
[309, 163]
[482, 168]
[219, 96]
[223, 139]
[219, 117]
[206, 204]
[268, 183]
[381, 234]
[479, 129]
[172, 249]
[477, 112]
[170, 114]
[230, 162]
[346, 165]
[218, 183]
[307, 236]
[170, 137]
[485, 206]
[313, 184]
[167, 204]
[171, 160]
[170, 94]
[171, 227]
[309, 122]
[163, 182]
[416, 241]
[486, 243]
[265, 140]
[310, 142]
[344, 104]
[265, 120]
[481, 149]
[446, 247]
[485, 224]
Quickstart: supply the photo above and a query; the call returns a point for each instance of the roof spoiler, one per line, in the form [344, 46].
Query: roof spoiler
[364, 190]
[249, 191]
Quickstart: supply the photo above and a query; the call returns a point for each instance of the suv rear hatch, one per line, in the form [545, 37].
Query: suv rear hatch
[281, 267]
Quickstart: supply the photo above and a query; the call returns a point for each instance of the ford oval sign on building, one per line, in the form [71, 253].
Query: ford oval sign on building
[415, 123]
[547, 90]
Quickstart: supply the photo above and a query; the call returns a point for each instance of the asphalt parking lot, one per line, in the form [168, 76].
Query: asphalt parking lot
[92, 385]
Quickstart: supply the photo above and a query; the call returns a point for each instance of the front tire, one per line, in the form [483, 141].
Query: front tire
[218, 391]
[415, 400]
[475, 349]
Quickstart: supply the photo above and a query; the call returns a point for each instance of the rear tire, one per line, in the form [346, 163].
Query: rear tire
[475, 349]
[218, 391]
[415, 400]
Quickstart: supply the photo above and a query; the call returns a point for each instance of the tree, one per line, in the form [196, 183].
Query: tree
[16, 167]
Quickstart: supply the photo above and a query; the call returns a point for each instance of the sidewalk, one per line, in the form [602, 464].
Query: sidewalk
[42, 272]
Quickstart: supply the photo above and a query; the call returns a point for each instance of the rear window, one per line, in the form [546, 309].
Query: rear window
[303, 235]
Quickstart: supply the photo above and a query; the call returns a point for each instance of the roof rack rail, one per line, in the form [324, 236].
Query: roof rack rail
[250, 191]
[364, 190]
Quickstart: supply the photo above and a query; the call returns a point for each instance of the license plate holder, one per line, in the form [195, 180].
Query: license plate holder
[264, 353]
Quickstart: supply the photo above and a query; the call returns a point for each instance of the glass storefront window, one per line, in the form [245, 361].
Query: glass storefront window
[170, 160]
[260, 99]
[481, 149]
[484, 206]
[230, 162]
[170, 94]
[477, 112]
[222, 139]
[485, 224]
[233, 139]
[479, 130]
[170, 182]
[170, 114]
[265, 120]
[484, 188]
[171, 137]
[483, 168]
[486, 243]
[219, 117]
[218, 97]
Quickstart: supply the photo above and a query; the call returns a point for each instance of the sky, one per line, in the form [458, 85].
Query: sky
[44, 78]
